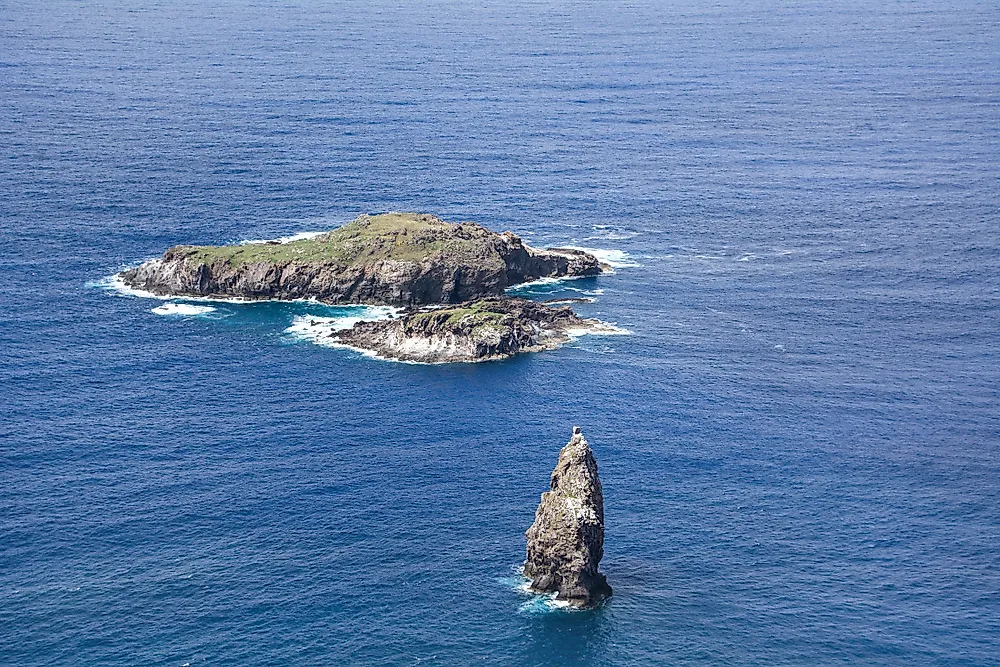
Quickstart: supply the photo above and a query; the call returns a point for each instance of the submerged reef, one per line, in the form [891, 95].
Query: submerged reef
[481, 330]
[395, 259]
[566, 541]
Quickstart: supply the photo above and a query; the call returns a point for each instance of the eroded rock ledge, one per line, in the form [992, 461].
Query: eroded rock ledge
[481, 330]
[396, 259]
[566, 541]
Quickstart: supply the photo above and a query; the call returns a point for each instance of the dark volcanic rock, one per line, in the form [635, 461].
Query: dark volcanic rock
[398, 259]
[491, 328]
[566, 541]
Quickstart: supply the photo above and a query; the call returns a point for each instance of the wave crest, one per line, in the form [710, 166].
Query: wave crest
[182, 309]
[616, 259]
[317, 329]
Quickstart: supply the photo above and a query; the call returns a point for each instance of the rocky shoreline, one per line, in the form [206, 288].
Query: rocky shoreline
[448, 279]
[397, 259]
[482, 330]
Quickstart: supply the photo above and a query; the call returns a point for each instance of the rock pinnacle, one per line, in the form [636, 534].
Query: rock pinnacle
[566, 541]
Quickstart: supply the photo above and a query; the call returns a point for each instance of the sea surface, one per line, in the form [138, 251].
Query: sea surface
[799, 440]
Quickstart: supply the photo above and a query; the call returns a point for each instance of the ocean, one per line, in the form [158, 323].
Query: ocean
[799, 437]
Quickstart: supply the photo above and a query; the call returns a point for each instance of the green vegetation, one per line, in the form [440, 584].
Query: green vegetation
[398, 236]
[481, 313]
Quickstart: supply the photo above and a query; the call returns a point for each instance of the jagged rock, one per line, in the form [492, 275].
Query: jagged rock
[487, 329]
[566, 541]
[397, 259]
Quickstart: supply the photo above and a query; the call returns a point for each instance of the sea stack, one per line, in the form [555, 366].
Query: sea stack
[566, 541]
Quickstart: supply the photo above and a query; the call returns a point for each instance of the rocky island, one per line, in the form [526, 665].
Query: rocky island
[481, 330]
[566, 541]
[395, 259]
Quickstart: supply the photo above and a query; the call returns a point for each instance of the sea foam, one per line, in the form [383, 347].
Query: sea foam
[609, 233]
[598, 329]
[543, 282]
[318, 329]
[183, 309]
[537, 603]
[616, 259]
[115, 283]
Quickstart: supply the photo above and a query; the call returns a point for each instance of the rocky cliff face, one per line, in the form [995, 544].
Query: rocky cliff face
[398, 259]
[566, 541]
[491, 328]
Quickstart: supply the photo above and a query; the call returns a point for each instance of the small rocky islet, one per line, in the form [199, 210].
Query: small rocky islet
[449, 280]
[405, 260]
[566, 540]
[482, 330]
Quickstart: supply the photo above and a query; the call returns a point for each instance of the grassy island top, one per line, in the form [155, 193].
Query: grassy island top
[484, 311]
[398, 236]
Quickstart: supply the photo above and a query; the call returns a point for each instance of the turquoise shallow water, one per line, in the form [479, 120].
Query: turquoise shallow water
[799, 441]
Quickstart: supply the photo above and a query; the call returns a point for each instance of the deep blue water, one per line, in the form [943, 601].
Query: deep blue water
[799, 442]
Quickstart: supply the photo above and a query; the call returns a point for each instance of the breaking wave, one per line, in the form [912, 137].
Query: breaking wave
[610, 233]
[616, 259]
[114, 283]
[549, 287]
[318, 329]
[537, 603]
[182, 309]
[599, 329]
[551, 284]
